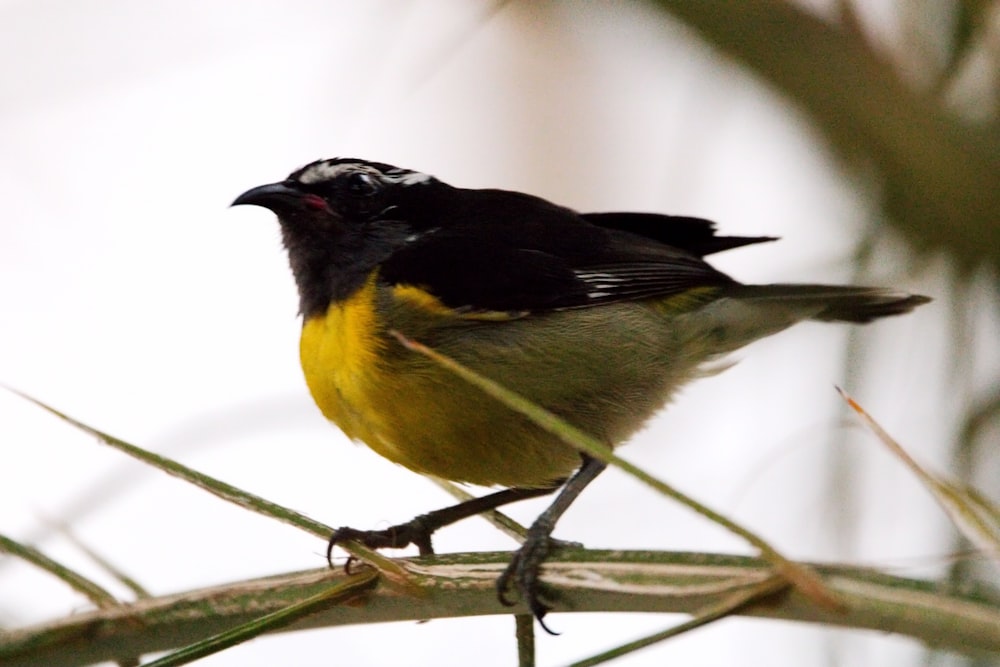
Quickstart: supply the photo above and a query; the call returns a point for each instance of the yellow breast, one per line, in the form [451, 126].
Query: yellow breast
[354, 385]
[339, 354]
[411, 411]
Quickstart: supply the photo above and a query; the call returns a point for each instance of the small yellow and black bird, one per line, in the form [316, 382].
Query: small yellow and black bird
[598, 317]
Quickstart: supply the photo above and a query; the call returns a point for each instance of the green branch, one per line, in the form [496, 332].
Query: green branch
[464, 585]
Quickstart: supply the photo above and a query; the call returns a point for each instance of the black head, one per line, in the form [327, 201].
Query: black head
[341, 193]
[341, 217]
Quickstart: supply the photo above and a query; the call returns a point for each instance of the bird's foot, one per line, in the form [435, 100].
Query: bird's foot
[523, 571]
[415, 532]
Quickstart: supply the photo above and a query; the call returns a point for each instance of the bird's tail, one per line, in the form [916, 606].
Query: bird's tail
[746, 313]
[832, 303]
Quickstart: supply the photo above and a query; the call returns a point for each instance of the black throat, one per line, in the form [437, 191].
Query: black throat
[326, 270]
[330, 265]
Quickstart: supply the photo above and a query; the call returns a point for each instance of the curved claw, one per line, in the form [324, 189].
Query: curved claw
[541, 621]
[503, 583]
[395, 537]
[523, 574]
[342, 534]
[330, 544]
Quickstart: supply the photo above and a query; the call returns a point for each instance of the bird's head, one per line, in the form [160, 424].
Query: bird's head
[341, 217]
[339, 193]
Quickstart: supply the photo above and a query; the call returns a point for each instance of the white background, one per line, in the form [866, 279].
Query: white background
[133, 299]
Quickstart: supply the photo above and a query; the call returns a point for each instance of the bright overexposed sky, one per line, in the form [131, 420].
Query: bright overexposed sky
[133, 299]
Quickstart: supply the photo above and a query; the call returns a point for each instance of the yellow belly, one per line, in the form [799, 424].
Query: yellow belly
[606, 370]
[415, 413]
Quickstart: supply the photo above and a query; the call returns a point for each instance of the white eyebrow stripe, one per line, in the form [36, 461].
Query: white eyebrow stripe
[407, 177]
[325, 171]
[328, 171]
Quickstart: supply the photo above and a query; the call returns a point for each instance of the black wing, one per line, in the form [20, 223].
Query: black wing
[696, 235]
[511, 252]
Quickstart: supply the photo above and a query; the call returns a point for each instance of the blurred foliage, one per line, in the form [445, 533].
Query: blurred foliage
[940, 174]
[921, 117]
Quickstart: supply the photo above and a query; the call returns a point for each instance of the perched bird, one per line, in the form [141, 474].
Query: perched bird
[597, 317]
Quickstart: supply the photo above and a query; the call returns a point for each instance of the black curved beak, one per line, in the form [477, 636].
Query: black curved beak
[273, 196]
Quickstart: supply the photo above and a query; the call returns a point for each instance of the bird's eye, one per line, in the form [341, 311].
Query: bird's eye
[361, 184]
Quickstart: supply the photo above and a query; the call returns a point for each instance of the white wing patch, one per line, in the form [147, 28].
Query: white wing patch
[602, 284]
[328, 171]
[599, 280]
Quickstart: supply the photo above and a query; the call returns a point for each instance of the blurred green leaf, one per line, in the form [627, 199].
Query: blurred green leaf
[81, 584]
[395, 575]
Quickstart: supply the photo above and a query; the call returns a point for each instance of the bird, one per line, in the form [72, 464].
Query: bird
[597, 317]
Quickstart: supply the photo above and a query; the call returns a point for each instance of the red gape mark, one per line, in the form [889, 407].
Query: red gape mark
[315, 201]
